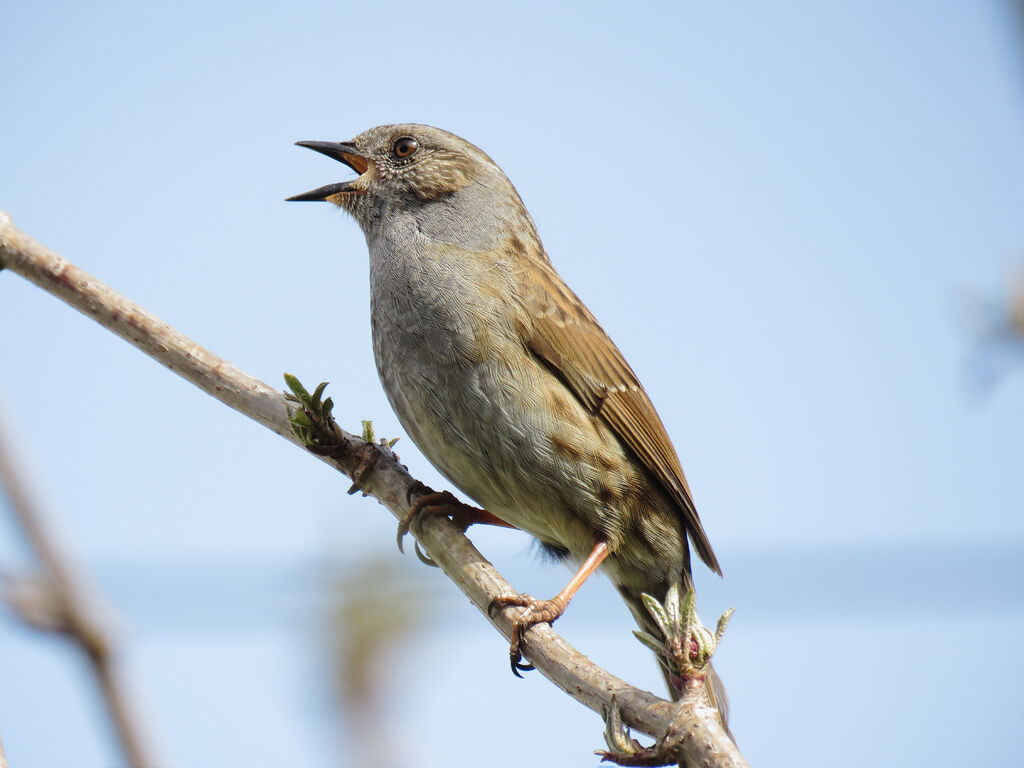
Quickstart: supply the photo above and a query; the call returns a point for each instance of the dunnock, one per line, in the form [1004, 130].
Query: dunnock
[502, 376]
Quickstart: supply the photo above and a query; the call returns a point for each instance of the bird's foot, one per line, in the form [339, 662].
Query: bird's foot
[537, 612]
[432, 503]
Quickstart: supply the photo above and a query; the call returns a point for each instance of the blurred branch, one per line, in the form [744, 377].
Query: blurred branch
[379, 474]
[377, 607]
[57, 601]
[1017, 23]
[998, 329]
[3, 760]
[1016, 308]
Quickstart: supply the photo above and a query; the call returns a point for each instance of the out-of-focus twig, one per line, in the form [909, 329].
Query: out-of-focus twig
[1016, 307]
[378, 607]
[998, 329]
[58, 601]
[3, 760]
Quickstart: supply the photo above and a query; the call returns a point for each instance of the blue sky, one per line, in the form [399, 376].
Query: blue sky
[778, 212]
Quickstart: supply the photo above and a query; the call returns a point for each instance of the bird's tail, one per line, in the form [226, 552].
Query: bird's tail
[712, 682]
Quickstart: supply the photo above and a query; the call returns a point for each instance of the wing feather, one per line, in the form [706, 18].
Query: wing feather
[567, 337]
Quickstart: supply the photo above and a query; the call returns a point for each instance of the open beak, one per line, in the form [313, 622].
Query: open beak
[342, 151]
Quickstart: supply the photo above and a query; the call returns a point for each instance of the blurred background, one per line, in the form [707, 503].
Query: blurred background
[801, 221]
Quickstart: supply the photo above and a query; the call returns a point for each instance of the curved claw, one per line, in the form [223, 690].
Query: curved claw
[423, 556]
[537, 612]
[515, 655]
[430, 503]
[518, 666]
[519, 626]
[415, 489]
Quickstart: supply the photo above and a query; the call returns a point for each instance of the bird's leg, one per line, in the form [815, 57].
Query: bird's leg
[538, 611]
[444, 503]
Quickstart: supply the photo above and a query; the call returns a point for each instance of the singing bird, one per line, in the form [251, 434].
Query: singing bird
[503, 378]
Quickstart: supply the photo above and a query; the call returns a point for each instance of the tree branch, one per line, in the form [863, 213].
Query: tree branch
[691, 723]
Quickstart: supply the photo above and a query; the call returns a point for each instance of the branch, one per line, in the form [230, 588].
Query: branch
[58, 601]
[378, 473]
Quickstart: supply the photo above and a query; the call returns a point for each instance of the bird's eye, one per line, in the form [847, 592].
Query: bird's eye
[405, 146]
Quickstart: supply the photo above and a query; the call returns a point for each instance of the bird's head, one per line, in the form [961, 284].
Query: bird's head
[405, 166]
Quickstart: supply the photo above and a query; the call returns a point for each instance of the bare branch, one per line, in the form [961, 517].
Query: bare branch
[378, 473]
[59, 601]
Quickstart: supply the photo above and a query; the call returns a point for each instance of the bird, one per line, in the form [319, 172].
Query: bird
[505, 380]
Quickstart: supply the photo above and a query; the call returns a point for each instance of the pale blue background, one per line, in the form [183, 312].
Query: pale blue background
[778, 210]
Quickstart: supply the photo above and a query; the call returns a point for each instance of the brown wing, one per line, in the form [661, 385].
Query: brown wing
[568, 338]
